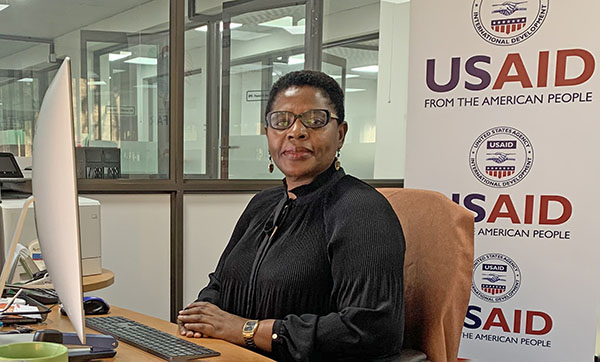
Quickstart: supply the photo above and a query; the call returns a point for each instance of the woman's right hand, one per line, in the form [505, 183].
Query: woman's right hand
[185, 332]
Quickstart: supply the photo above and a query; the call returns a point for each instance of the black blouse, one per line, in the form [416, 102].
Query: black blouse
[326, 266]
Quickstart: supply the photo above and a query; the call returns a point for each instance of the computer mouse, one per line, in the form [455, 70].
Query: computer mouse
[92, 306]
[95, 305]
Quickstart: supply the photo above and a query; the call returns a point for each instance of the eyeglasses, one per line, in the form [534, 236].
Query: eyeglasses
[314, 118]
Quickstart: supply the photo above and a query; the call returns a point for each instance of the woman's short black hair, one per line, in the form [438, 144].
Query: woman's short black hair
[311, 78]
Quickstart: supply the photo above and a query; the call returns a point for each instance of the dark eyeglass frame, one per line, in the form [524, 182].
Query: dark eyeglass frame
[296, 116]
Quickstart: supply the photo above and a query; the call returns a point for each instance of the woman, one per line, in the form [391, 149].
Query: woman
[313, 270]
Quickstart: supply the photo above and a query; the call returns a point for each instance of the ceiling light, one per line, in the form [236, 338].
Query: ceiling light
[279, 22]
[286, 23]
[97, 82]
[142, 61]
[3, 6]
[116, 56]
[296, 59]
[247, 35]
[204, 28]
[26, 80]
[348, 76]
[352, 90]
[367, 69]
[295, 30]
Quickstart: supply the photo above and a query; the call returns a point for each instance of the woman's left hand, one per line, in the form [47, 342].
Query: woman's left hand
[208, 320]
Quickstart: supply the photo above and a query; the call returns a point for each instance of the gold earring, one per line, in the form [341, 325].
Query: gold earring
[271, 167]
[338, 164]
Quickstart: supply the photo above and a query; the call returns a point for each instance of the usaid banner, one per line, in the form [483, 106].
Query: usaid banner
[504, 118]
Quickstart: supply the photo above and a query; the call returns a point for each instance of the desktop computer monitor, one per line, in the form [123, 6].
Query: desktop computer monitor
[54, 187]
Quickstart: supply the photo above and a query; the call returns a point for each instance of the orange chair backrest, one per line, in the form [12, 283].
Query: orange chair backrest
[438, 269]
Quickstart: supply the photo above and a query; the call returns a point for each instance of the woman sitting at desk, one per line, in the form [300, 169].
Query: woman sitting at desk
[313, 270]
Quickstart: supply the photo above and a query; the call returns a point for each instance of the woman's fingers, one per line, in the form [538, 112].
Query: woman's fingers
[182, 330]
[193, 318]
[199, 307]
[200, 328]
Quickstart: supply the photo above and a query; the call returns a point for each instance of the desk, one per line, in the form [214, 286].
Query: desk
[125, 352]
[98, 281]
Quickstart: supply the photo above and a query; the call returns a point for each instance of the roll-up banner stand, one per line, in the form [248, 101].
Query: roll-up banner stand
[504, 119]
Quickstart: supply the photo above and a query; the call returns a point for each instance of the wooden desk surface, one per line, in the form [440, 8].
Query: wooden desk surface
[98, 281]
[125, 352]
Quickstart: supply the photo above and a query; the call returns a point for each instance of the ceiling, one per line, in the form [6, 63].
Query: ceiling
[53, 18]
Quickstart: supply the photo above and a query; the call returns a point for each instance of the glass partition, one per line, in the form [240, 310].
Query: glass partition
[127, 98]
[195, 154]
[120, 68]
[264, 45]
[359, 80]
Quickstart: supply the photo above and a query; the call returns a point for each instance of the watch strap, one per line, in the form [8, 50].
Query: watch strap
[248, 332]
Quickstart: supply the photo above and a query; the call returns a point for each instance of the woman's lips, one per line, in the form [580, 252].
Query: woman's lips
[297, 153]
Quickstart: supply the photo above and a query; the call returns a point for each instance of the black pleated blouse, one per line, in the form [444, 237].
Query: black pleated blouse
[326, 266]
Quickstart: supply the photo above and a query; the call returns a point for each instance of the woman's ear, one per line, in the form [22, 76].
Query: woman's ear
[342, 130]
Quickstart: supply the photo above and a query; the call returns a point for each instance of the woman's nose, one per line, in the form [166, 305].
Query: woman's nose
[297, 130]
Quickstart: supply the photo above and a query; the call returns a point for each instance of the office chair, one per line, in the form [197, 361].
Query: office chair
[438, 268]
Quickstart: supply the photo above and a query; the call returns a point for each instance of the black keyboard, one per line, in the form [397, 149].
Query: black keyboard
[161, 344]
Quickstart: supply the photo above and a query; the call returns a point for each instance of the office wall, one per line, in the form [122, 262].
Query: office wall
[136, 247]
[209, 220]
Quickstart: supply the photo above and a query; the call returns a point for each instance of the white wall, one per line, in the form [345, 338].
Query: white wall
[208, 223]
[392, 90]
[136, 247]
[350, 19]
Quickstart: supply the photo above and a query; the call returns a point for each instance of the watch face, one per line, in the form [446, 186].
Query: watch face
[249, 326]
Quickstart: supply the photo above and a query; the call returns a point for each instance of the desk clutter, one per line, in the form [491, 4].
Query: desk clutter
[20, 308]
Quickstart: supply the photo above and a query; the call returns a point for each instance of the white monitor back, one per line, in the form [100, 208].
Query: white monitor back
[54, 187]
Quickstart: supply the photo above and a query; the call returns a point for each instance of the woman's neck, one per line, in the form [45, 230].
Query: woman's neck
[293, 183]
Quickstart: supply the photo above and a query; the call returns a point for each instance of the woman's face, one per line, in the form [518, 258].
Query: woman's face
[302, 153]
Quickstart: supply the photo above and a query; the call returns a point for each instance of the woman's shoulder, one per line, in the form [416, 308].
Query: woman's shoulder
[352, 193]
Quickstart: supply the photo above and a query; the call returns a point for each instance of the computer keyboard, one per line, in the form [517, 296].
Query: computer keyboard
[161, 344]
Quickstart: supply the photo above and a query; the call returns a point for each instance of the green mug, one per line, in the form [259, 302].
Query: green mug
[34, 351]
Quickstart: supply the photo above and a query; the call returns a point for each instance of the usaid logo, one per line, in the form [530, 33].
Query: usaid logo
[508, 22]
[501, 157]
[496, 278]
